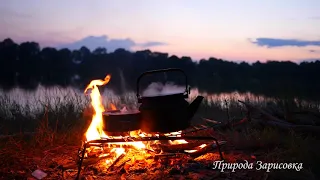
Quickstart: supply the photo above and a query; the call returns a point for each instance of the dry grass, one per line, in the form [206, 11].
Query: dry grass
[38, 137]
[58, 128]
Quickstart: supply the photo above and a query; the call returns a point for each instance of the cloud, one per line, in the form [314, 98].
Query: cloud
[92, 42]
[152, 43]
[314, 51]
[273, 42]
[6, 12]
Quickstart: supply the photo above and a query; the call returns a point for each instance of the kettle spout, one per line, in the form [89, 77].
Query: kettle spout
[193, 107]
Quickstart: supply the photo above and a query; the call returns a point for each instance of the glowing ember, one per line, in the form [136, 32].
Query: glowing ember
[176, 134]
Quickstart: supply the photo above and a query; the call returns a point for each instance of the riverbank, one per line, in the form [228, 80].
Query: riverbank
[55, 136]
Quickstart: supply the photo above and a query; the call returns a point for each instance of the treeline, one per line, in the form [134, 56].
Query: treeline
[27, 65]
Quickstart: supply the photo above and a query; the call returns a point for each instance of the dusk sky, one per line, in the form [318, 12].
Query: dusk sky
[247, 30]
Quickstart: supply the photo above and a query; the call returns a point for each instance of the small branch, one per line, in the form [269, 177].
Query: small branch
[211, 121]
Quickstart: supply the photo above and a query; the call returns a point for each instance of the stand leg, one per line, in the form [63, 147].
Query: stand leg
[218, 146]
[81, 160]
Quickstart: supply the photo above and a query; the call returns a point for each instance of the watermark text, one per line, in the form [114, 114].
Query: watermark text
[258, 165]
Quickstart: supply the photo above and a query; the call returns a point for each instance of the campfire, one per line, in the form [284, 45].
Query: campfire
[116, 133]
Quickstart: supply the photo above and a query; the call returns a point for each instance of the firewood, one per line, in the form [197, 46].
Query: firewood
[206, 149]
[267, 115]
[179, 147]
[298, 128]
[203, 126]
[240, 122]
[168, 155]
[195, 127]
[211, 121]
[222, 126]
[229, 124]
[315, 114]
[86, 162]
[305, 118]
[123, 163]
[115, 162]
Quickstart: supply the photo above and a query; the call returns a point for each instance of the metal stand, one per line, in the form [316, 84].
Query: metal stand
[135, 139]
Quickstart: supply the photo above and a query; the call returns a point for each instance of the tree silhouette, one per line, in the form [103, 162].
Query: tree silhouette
[27, 65]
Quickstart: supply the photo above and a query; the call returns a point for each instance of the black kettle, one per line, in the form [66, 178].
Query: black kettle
[168, 112]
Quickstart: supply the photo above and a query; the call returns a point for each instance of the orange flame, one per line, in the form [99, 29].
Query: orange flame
[95, 129]
[113, 107]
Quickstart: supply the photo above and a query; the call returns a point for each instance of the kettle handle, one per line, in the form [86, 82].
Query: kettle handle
[187, 91]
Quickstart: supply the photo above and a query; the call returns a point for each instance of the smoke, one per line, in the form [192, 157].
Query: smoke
[159, 89]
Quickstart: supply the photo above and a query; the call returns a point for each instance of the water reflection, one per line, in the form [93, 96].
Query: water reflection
[55, 96]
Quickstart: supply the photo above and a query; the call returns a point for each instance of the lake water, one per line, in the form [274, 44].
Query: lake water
[55, 96]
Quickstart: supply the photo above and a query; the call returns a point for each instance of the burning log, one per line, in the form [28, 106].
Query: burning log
[86, 162]
[178, 147]
[121, 166]
[139, 139]
[201, 150]
[196, 151]
[104, 151]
